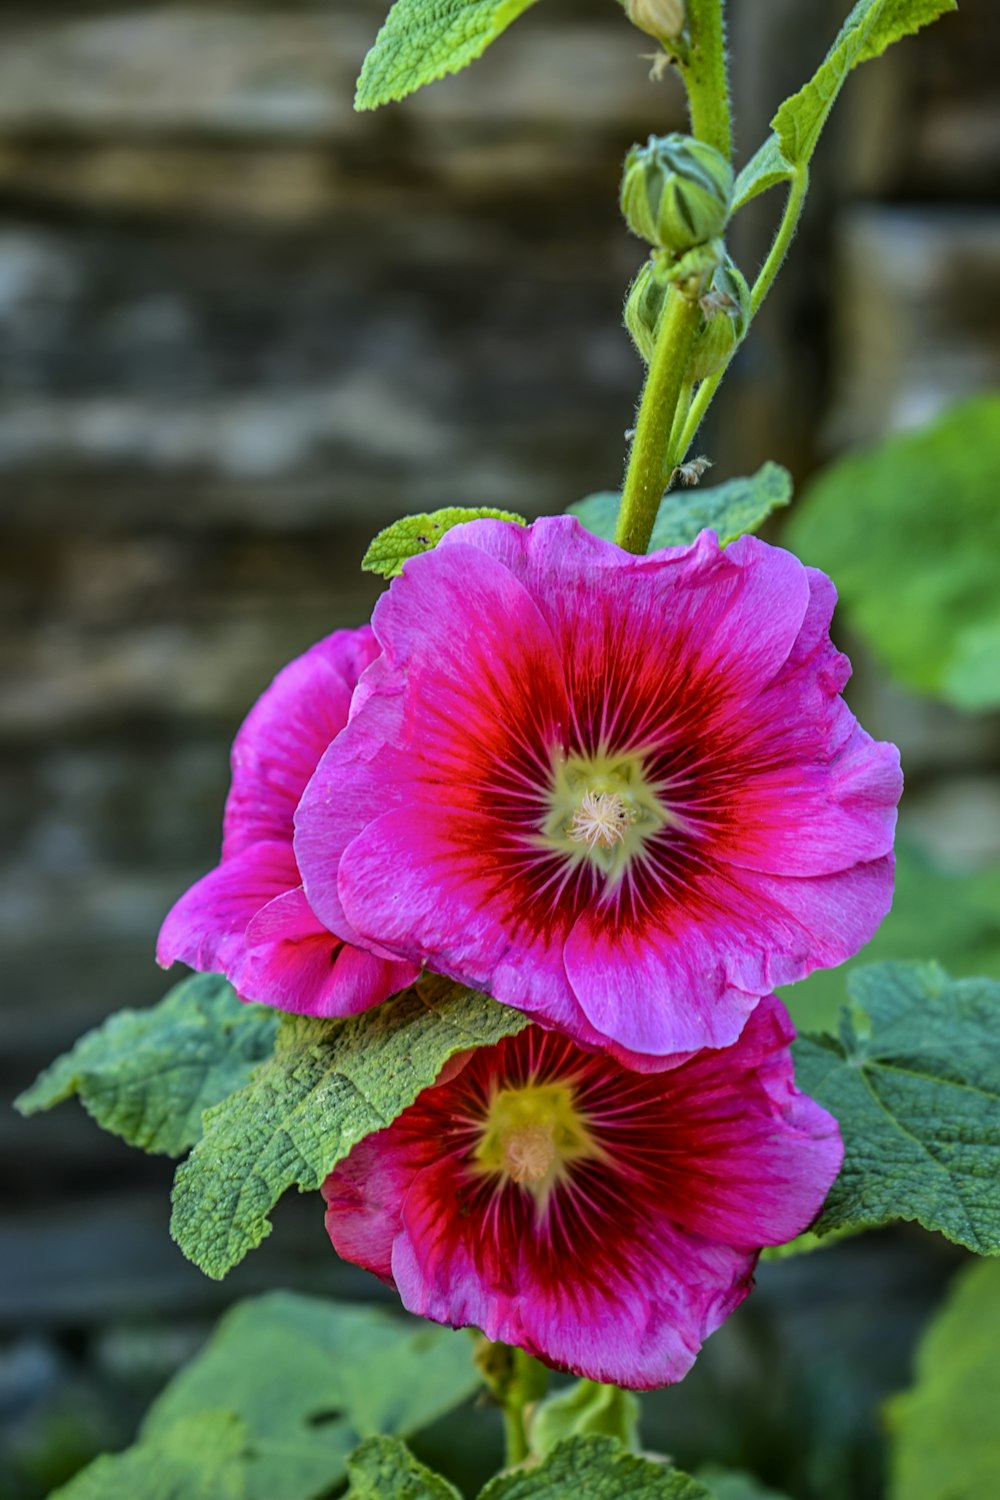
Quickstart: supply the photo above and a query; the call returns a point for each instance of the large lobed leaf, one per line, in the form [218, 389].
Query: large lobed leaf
[422, 40]
[279, 1397]
[328, 1085]
[946, 1438]
[910, 530]
[871, 27]
[914, 1080]
[730, 509]
[147, 1075]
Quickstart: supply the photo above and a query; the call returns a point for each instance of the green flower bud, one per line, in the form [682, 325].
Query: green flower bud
[726, 305]
[643, 308]
[663, 19]
[676, 192]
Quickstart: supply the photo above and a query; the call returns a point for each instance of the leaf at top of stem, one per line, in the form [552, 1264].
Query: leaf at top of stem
[730, 509]
[423, 40]
[871, 27]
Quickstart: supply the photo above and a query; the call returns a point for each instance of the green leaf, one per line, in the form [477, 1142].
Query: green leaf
[385, 1469]
[953, 918]
[730, 509]
[587, 1407]
[309, 1378]
[328, 1085]
[766, 169]
[598, 1468]
[914, 1081]
[147, 1075]
[946, 1438]
[734, 1484]
[869, 29]
[201, 1457]
[415, 534]
[422, 40]
[910, 530]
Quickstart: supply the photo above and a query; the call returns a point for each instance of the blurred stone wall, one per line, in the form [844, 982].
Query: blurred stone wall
[242, 327]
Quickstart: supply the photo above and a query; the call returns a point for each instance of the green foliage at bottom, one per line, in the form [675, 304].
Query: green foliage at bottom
[598, 1468]
[733, 1484]
[384, 1467]
[200, 1457]
[285, 1389]
[946, 1436]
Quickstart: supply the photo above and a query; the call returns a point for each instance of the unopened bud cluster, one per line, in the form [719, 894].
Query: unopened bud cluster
[676, 192]
[725, 304]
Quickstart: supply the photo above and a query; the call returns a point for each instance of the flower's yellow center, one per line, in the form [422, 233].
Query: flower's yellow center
[602, 808]
[531, 1135]
[601, 820]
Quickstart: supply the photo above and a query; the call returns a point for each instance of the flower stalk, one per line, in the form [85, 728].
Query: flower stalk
[703, 70]
[650, 457]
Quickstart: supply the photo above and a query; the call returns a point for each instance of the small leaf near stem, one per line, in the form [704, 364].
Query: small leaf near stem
[704, 73]
[798, 188]
[653, 453]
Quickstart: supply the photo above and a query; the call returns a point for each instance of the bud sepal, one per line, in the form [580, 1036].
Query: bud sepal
[676, 192]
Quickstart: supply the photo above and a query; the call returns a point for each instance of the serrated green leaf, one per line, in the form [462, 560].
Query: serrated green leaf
[598, 1468]
[415, 534]
[914, 1080]
[384, 1469]
[309, 1378]
[201, 1457]
[869, 29]
[910, 530]
[147, 1075]
[954, 918]
[946, 1438]
[423, 40]
[734, 1484]
[730, 509]
[327, 1086]
[765, 169]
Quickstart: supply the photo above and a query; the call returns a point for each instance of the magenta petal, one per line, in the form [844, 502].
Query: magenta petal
[640, 1329]
[286, 732]
[621, 985]
[293, 963]
[206, 928]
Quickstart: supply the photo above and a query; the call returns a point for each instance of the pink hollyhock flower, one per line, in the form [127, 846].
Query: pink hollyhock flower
[605, 1220]
[249, 918]
[621, 793]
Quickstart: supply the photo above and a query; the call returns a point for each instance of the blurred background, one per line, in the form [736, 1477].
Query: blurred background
[242, 328]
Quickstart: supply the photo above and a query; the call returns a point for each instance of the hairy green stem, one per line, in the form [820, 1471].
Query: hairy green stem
[665, 382]
[704, 74]
[798, 188]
